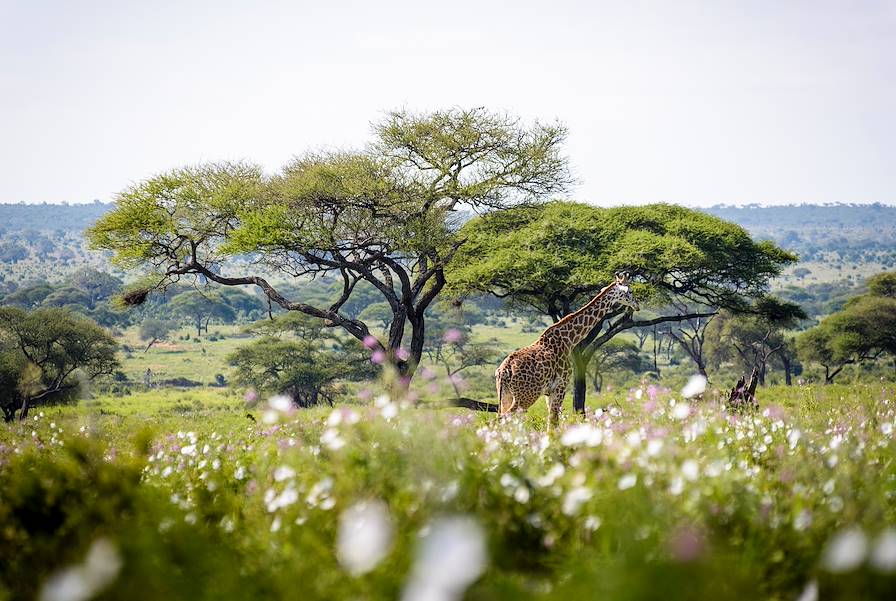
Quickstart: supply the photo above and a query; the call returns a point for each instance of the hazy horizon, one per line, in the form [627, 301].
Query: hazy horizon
[697, 103]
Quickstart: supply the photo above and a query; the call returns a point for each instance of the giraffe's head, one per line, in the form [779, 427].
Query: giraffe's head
[621, 294]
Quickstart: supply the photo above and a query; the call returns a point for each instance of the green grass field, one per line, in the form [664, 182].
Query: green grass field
[179, 495]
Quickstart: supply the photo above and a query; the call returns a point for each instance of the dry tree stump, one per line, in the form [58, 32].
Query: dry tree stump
[743, 396]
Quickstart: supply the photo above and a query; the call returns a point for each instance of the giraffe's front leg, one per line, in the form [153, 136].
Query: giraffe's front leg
[555, 405]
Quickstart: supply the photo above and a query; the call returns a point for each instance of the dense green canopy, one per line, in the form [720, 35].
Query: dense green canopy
[41, 351]
[297, 356]
[863, 330]
[553, 256]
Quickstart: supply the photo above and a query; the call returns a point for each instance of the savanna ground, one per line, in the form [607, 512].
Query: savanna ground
[172, 494]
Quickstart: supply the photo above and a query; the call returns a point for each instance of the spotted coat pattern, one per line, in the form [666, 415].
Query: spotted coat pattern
[544, 367]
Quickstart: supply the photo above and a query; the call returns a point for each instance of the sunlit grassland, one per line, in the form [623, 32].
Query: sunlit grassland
[197, 358]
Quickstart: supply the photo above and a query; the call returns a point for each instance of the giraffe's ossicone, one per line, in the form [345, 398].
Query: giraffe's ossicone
[544, 367]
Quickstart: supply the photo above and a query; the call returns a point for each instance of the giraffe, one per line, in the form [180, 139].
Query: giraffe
[544, 366]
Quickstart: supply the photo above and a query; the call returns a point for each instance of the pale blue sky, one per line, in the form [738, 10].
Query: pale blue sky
[690, 102]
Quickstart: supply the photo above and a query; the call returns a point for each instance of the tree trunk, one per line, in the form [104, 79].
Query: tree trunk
[785, 361]
[23, 414]
[830, 375]
[579, 373]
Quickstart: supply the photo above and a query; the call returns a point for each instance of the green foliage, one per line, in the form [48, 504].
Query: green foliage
[862, 331]
[616, 355]
[153, 329]
[199, 307]
[296, 356]
[98, 285]
[51, 346]
[28, 297]
[883, 284]
[552, 257]
[10, 252]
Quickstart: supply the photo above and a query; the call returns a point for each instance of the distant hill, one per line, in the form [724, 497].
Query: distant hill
[48, 217]
[807, 215]
[849, 232]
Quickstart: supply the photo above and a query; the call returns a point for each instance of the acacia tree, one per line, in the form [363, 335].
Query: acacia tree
[862, 331]
[297, 356]
[383, 215]
[200, 307]
[690, 334]
[40, 353]
[553, 257]
[752, 340]
[153, 330]
[616, 354]
[448, 342]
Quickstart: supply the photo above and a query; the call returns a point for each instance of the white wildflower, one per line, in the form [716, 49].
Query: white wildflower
[85, 580]
[556, 471]
[581, 434]
[286, 498]
[681, 411]
[365, 536]
[810, 593]
[451, 557]
[677, 485]
[696, 386]
[627, 481]
[508, 481]
[845, 552]
[883, 556]
[690, 470]
[654, 446]
[284, 472]
[802, 520]
[280, 403]
[332, 440]
[573, 500]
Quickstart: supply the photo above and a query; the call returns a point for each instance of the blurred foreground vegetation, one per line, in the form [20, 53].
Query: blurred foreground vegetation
[182, 496]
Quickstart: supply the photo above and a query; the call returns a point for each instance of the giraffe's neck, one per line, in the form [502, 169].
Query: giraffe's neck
[573, 328]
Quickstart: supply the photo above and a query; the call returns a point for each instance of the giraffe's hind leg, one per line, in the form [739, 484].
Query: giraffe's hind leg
[506, 401]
